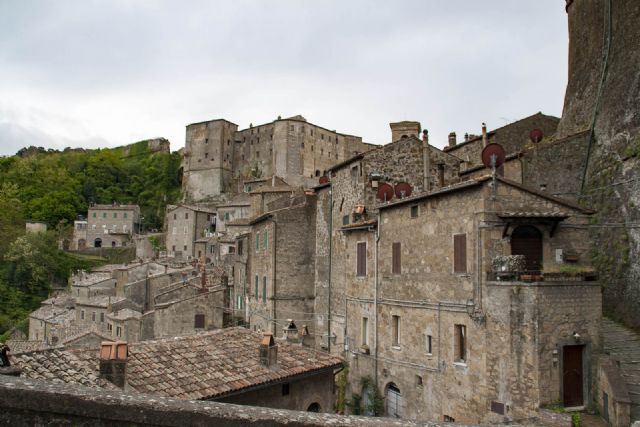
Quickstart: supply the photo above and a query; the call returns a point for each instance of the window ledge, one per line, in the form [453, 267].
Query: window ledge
[396, 347]
[461, 364]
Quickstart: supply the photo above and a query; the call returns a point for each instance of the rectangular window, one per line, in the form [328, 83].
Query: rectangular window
[361, 259]
[345, 220]
[257, 280]
[199, 321]
[285, 389]
[186, 215]
[414, 211]
[460, 343]
[365, 331]
[184, 248]
[226, 216]
[264, 289]
[175, 216]
[118, 331]
[102, 317]
[429, 344]
[93, 316]
[240, 247]
[459, 253]
[265, 241]
[82, 314]
[115, 215]
[396, 265]
[104, 214]
[395, 331]
[125, 215]
[94, 214]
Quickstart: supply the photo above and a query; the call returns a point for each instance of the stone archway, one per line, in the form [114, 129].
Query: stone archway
[314, 407]
[393, 400]
[97, 243]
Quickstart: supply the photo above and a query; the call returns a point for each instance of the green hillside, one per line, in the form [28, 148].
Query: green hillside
[57, 186]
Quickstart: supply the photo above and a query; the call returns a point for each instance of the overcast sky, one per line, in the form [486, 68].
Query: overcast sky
[105, 73]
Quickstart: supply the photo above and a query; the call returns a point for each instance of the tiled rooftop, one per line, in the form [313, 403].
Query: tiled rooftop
[215, 363]
[61, 366]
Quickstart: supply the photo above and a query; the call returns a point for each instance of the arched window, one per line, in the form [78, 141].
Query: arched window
[394, 401]
[527, 240]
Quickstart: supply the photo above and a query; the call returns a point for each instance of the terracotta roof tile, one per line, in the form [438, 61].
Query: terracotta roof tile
[214, 363]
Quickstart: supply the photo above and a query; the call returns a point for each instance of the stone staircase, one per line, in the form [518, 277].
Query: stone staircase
[623, 344]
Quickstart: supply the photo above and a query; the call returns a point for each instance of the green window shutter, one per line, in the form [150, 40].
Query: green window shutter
[257, 242]
[115, 215]
[257, 285]
[104, 214]
[94, 214]
[125, 215]
[264, 289]
[265, 244]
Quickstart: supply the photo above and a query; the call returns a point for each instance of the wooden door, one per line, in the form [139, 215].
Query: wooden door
[527, 240]
[572, 376]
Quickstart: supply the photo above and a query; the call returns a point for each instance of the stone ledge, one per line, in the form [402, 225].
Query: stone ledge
[28, 402]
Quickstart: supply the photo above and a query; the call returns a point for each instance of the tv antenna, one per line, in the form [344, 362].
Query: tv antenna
[493, 156]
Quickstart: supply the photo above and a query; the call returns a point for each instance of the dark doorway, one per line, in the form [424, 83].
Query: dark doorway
[314, 407]
[97, 243]
[113, 244]
[527, 240]
[572, 376]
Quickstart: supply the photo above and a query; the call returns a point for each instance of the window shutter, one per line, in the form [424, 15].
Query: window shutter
[460, 253]
[396, 263]
[361, 259]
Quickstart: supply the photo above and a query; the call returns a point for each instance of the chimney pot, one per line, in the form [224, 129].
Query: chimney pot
[113, 362]
[268, 351]
[291, 331]
[452, 139]
[466, 137]
[484, 134]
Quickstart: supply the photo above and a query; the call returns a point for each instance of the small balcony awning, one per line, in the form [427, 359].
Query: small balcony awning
[551, 218]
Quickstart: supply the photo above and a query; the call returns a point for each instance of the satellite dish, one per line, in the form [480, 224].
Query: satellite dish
[402, 190]
[324, 179]
[536, 135]
[493, 156]
[385, 192]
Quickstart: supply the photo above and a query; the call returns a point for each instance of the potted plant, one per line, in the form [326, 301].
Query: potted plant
[508, 267]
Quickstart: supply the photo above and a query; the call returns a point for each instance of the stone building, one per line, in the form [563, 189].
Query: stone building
[218, 157]
[186, 224]
[111, 225]
[350, 201]
[79, 240]
[280, 273]
[35, 227]
[442, 334]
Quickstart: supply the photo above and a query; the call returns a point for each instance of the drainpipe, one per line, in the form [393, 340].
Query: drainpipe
[330, 254]
[273, 275]
[375, 299]
[425, 160]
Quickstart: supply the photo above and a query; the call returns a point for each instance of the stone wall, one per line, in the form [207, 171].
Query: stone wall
[605, 95]
[31, 402]
[178, 317]
[296, 395]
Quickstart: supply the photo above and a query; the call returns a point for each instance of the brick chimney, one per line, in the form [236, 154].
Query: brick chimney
[485, 140]
[113, 362]
[291, 331]
[452, 139]
[401, 130]
[268, 351]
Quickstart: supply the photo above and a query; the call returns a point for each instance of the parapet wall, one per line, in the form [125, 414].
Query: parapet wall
[29, 402]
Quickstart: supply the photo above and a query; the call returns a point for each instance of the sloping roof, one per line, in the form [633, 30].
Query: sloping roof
[215, 363]
[276, 189]
[479, 181]
[53, 314]
[60, 366]
[360, 225]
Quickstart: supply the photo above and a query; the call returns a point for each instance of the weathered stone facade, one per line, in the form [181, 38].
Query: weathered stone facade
[218, 157]
[111, 225]
[185, 225]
